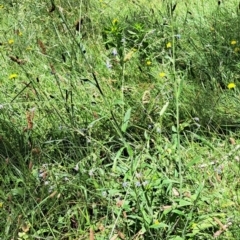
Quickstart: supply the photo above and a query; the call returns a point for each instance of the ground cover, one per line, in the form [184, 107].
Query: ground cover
[119, 119]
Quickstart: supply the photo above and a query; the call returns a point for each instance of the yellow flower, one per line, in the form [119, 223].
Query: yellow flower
[114, 21]
[20, 34]
[233, 42]
[12, 76]
[231, 85]
[10, 41]
[156, 222]
[1, 6]
[236, 49]
[168, 45]
[148, 63]
[194, 225]
[162, 74]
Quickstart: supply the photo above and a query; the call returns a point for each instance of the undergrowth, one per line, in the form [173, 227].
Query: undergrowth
[119, 120]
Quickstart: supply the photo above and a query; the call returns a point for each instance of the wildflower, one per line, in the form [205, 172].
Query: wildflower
[108, 64]
[114, 52]
[20, 33]
[156, 222]
[218, 169]
[148, 63]
[76, 168]
[137, 184]
[194, 225]
[162, 74]
[178, 36]
[104, 194]
[91, 172]
[123, 40]
[32, 109]
[1, 106]
[231, 85]
[1, 6]
[237, 49]
[233, 42]
[10, 41]
[114, 21]
[168, 45]
[125, 184]
[145, 183]
[12, 76]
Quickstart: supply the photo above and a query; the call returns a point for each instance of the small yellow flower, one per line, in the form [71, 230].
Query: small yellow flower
[233, 42]
[20, 34]
[10, 41]
[1, 6]
[231, 85]
[194, 225]
[156, 222]
[162, 74]
[12, 76]
[148, 63]
[114, 21]
[168, 45]
[236, 49]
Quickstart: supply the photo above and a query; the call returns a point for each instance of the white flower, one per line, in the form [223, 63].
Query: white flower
[145, 183]
[76, 168]
[114, 52]
[91, 172]
[137, 184]
[108, 64]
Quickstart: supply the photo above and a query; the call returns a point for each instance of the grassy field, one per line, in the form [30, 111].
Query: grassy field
[119, 119]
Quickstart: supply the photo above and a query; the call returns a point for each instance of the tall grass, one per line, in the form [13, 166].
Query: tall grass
[119, 120]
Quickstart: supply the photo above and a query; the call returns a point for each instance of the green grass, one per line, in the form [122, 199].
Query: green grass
[124, 127]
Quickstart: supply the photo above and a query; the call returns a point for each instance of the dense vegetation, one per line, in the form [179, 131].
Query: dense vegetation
[119, 119]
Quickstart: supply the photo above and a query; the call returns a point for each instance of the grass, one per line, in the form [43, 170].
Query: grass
[117, 120]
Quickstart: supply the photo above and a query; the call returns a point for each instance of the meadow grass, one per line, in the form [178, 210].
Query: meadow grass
[119, 119]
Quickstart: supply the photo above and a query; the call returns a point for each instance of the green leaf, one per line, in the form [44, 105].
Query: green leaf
[178, 212]
[183, 203]
[131, 32]
[126, 120]
[164, 108]
[159, 225]
[176, 238]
